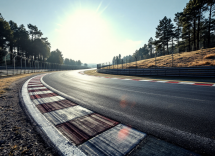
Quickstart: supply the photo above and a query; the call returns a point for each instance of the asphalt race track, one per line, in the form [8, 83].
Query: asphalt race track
[179, 113]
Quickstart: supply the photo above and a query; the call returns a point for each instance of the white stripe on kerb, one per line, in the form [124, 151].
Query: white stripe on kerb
[126, 79]
[214, 85]
[55, 137]
[42, 92]
[66, 114]
[145, 80]
[37, 88]
[36, 85]
[47, 100]
[34, 81]
[185, 83]
[118, 140]
[162, 81]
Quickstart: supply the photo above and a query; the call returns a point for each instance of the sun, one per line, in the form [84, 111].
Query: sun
[85, 26]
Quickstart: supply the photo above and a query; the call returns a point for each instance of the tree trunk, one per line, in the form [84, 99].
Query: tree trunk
[172, 44]
[189, 41]
[209, 27]
[167, 48]
[198, 31]
[194, 33]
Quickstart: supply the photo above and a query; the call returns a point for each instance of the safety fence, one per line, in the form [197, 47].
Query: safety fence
[12, 64]
[204, 71]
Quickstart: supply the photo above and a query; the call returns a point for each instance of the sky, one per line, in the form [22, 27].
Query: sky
[93, 31]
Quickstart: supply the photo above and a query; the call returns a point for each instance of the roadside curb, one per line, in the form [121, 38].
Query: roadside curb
[60, 142]
[48, 132]
[149, 80]
[117, 139]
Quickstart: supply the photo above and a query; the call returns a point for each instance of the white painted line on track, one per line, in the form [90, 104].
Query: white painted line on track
[60, 142]
[145, 80]
[48, 100]
[66, 114]
[126, 79]
[214, 85]
[42, 92]
[37, 88]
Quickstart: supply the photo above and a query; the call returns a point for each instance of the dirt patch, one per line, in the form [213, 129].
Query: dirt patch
[210, 56]
[18, 136]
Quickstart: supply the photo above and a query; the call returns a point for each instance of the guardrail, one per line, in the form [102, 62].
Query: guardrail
[208, 71]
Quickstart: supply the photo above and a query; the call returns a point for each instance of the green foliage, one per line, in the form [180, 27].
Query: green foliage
[5, 32]
[2, 55]
[192, 31]
[56, 57]
[72, 62]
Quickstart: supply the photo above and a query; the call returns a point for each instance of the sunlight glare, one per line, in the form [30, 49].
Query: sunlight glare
[86, 28]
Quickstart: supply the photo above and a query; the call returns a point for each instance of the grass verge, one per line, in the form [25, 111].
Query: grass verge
[202, 57]
[5, 82]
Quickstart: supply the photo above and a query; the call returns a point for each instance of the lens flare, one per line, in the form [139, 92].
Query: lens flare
[123, 133]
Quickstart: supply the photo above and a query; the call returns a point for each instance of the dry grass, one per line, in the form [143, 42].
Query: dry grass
[5, 82]
[203, 57]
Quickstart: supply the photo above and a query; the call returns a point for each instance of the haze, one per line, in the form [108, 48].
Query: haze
[93, 31]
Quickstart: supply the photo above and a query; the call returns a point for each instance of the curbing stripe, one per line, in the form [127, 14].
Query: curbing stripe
[48, 107]
[175, 82]
[35, 85]
[38, 96]
[162, 81]
[41, 92]
[47, 100]
[83, 128]
[172, 82]
[190, 83]
[203, 84]
[38, 90]
[35, 88]
[52, 135]
[118, 140]
[66, 114]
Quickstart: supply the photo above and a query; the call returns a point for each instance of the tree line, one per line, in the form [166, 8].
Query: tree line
[28, 42]
[191, 30]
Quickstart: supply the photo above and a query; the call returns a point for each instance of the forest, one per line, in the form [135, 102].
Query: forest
[191, 29]
[29, 43]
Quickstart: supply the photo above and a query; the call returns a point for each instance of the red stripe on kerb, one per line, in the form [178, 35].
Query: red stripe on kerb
[38, 90]
[136, 79]
[52, 106]
[82, 129]
[152, 81]
[32, 83]
[172, 82]
[38, 96]
[203, 84]
[36, 86]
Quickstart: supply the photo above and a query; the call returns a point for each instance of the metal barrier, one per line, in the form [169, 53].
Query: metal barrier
[179, 71]
[22, 65]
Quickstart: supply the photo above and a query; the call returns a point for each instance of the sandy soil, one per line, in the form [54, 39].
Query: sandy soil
[17, 135]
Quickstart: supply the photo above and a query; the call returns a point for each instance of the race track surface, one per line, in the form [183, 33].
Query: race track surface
[168, 111]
